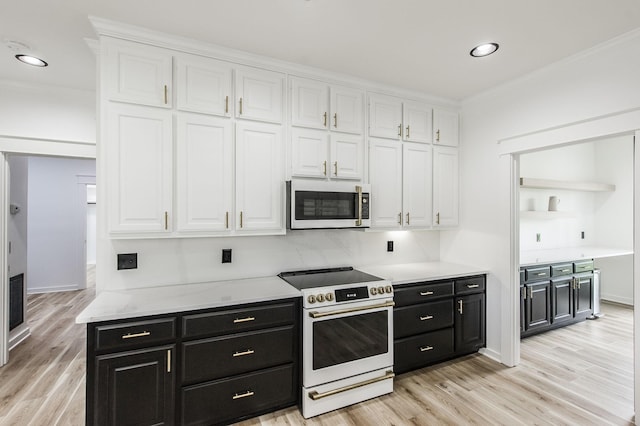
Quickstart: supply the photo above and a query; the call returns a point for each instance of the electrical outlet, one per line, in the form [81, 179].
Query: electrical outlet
[226, 255]
[127, 261]
[582, 235]
[389, 245]
[537, 238]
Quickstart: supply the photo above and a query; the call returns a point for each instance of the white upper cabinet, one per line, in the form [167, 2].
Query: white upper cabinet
[259, 178]
[203, 85]
[318, 105]
[416, 120]
[259, 94]
[204, 173]
[385, 177]
[445, 186]
[416, 185]
[135, 74]
[309, 153]
[395, 118]
[445, 127]
[139, 169]
[346, 156]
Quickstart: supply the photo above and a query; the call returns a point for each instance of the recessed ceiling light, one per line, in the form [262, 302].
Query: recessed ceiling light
[484, 49]
[31, 60]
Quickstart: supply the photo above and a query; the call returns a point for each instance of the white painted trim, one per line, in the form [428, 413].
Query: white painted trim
[636, 271]
[616, 299]
[53, 289]
[4, 273]
[19, 337]
[53, 147]
[496, 356]
[510, 341]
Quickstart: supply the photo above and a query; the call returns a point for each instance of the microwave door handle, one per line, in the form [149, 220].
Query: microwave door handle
[359, 189]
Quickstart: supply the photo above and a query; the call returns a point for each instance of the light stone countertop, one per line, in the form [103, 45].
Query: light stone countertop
[566, 254]
[121, 304]
[405, 273]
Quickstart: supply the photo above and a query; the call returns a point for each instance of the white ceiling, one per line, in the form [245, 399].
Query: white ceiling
[416, 44]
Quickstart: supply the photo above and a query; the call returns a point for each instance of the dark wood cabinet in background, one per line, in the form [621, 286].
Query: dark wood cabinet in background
[538, 305]
[470, 323]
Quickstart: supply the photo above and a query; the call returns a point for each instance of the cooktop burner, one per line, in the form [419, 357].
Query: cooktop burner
[316, 278]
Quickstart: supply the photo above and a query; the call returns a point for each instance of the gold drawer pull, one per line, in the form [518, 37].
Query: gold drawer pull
[247, 352]
[428, 317]
[426, 293]
[132, 336]
[315, 395]
[243, 395]
[565, 270]
[473, 285]
[426, 348]
[541, 274]
[247, 319]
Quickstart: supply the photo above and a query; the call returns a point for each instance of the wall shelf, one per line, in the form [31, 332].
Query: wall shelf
[565, 184]
[545, 215]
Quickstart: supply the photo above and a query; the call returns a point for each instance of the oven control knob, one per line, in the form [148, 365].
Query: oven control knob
[320, 298]
[380, 290]
[311, 299]
[329, 297]
[388, 289]
[373, 291]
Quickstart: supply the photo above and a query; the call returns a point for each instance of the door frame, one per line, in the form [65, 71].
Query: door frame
[625, 122]
[24, 146]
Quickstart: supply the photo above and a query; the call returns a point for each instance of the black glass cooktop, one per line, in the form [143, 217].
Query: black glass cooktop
[326, 277]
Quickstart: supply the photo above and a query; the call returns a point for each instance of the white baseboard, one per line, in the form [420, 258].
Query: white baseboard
[616, 299]
[490, 353]
[52, 289]
[19, 337]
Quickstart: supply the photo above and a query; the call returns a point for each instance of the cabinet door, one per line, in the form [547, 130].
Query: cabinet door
[385, 177]
[203, 85]
[135, 388]
[416, 119]
[259, 94]
[309, 103]
[138, 75]
[347, 157]
[385, 116]
[445, 186]
[445, 127]
[416, 185]
[347, 107]
[470, 323]
[139, 158]
[538, 312]
[583, 297]
[259, 177]
[204, 180]
[562, 300]
[309, 153]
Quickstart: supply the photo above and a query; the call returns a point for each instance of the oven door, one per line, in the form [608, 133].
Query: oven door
[346, 340]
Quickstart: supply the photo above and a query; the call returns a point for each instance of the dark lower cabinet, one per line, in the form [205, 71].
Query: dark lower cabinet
[135, 388]
[424, 349]
[583, 297]
[562, 300]
[470, 323]
[538, 305]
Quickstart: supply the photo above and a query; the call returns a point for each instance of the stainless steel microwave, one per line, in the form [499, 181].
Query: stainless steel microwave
[326, 205]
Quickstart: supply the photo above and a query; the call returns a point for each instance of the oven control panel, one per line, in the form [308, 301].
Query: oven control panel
[348, 294]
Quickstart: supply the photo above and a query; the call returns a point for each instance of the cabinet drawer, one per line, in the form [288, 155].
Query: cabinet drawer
[561, 269]
[229, 355]
[583, 266]
[418, 351]
[408, 295]
[237, 320]
[417, 319]
[134, 334]
[521, 276]
[222, 401]
[470, 285]
[537, 273]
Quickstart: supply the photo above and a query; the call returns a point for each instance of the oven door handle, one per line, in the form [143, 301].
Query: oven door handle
[359, 192]
[316, 314]
[316, 396]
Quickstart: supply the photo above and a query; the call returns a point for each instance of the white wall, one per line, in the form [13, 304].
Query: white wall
[57, 223]
[601, 82]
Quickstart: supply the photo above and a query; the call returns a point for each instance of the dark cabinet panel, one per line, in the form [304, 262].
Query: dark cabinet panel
[469, 285]
[538, 305]
[562, 300]
[422, 292]
[561, 269]
[535, 273]
[424, 349]
[416, 319]
[135, 388]
[583, 296]
[470, 323]
[127, 335]
[523, 293]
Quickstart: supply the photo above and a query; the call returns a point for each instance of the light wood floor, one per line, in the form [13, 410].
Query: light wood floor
[578, 375]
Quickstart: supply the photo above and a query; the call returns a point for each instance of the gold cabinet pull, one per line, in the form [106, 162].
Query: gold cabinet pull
[241, 220]
[240, 106]
[324, 167]
[408, 132]
[473, 285]
[426, 348]
[166, 94]
[530, 292]
[359, 192]
[315, 395]
[335, 168]
[426, 293]
[335, 120]
[226, 220]
[134, 335]
[226, 104]
[324, 123]
[168, 360]
[241, 320]
[437, 218]
[316, 314]
[524, 293]
[400, 130]
[426, 318]
[438, 135]
[166, 220]
[243, 353]
[460, 306]
[400, 218]
[408, 223]
[243, 395]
